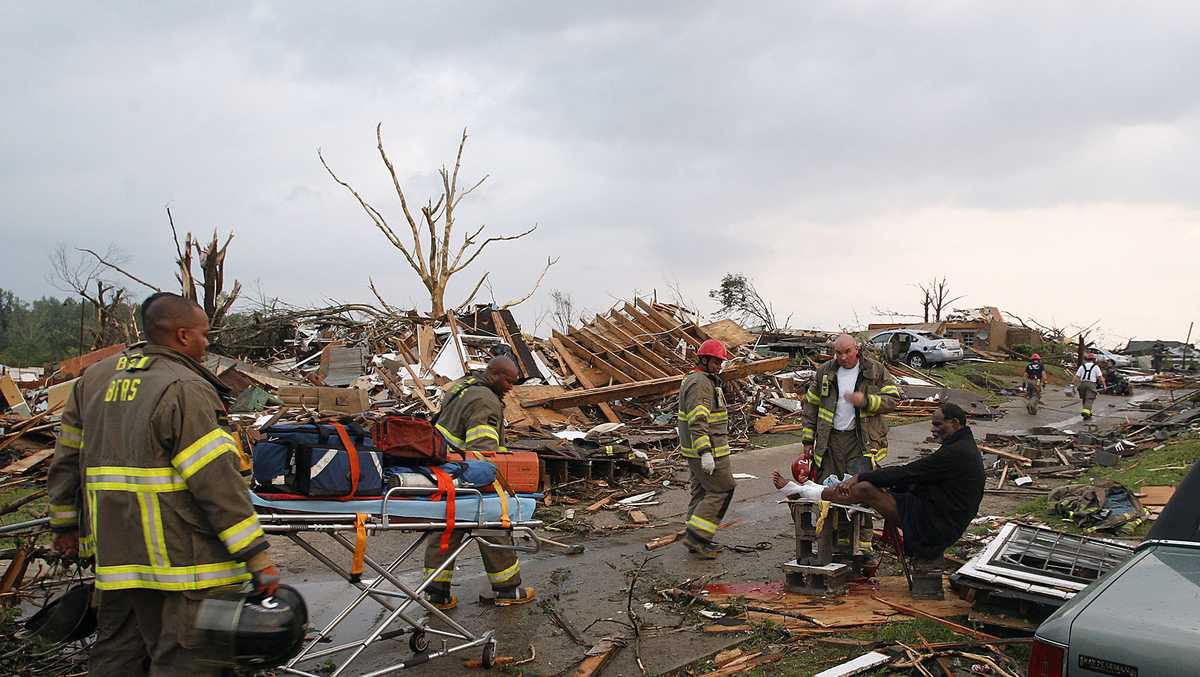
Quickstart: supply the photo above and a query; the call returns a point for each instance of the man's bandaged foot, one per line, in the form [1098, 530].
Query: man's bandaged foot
[810, 490]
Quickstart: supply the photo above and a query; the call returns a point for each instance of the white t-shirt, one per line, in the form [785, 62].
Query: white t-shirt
[1088, 371]
[843, 418]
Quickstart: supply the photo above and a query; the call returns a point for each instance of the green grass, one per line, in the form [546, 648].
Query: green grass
[28, 511]
[1166, 466]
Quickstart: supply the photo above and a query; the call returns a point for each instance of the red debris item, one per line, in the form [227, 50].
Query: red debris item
[802, 468]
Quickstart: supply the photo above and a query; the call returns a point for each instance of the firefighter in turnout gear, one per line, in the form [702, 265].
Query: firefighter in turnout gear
[704, 442]
[471, 421]
[1087, 377]
[844, 432]
[145, 482]
[1035, 382]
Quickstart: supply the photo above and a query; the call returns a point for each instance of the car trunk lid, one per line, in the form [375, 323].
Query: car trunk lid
[1144, 623]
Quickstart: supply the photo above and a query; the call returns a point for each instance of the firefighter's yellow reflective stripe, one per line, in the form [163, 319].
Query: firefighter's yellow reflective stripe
[454, 440]
[239, 536]
[696, 412]
[152, 531]
[63, 515]
[444, 576]
[148, 577]
[816, 460]
[807, 434]
[873, 403]
[91, 537]
[132, 362]
[482, 431]
[718, 417]
[702, 525]
[505, 575]
[812, 397]
[825, 415]
[890, 390]
[70, 436]
[123, 478]
[202, 452]
[722, 450]
[700, 443]
[1088, 412]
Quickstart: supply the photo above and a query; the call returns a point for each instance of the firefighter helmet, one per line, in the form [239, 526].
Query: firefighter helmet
[249, 631]
[713, 348]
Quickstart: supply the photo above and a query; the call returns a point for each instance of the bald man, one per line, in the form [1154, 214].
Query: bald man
[167, 516]
[471, 421]
[844, 432]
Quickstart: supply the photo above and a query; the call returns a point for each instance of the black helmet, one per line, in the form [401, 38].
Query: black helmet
[253, 632]
[67, 618]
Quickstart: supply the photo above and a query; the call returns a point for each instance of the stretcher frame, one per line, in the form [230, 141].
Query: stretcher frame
[400, 598]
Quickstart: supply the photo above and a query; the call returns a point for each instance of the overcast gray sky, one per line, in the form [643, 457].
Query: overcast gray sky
[1040, 158]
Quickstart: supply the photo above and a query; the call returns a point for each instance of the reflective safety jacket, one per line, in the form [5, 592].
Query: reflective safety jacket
[820, 403]
[147, 472]
[472, 416]
[703, 417]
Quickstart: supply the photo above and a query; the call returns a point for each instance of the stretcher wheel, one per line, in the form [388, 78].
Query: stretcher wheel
[489, 655]
[419, 641]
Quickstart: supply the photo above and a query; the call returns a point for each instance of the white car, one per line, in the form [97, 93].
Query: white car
[1118, 360]
[918, 348]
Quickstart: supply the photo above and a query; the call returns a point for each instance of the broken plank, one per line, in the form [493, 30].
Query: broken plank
[909, 611]
[601, 503]
[581, 374]
[1006, 454]
[662, 386]
[638, 517]
[663, 541]
[667, 322]
[858, 665]
[601, 347]
[598, 657]
[26, 464]
[637, 345]
[595, 360]
[629, 356]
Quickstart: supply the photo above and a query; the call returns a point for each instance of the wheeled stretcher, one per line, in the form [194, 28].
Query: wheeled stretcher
[351, 523]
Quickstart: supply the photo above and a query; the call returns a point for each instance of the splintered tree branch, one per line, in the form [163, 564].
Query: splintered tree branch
[118, 268]
[418, 264]
[474, 291]
[549, 262]
[437, 264]
[470, 241]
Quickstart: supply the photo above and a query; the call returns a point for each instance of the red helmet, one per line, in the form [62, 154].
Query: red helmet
[801, 469]
[1035, 357]
[713, 348]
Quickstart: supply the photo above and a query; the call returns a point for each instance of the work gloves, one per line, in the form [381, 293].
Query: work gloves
[266, 581]
[708, 463]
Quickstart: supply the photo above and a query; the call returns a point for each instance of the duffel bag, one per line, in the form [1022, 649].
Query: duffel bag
[318, 460]
[409, 438]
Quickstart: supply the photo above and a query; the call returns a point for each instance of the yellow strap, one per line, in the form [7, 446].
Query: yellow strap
[500, 493]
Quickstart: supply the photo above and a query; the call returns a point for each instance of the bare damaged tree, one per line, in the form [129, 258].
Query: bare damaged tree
[215, 300]
[740, 300]
[80, 275]
[936, 298]
[564, 314]
[434, 231]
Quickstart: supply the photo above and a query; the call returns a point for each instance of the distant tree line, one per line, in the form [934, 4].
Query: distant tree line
[46, 330]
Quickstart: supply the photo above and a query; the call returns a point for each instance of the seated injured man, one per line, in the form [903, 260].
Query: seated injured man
[932, 499]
